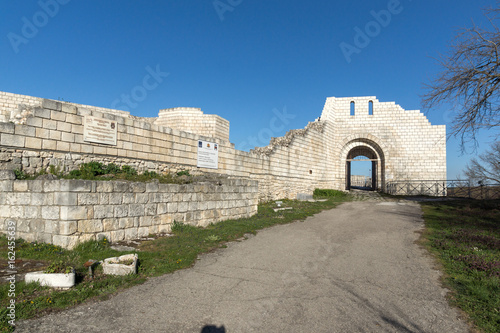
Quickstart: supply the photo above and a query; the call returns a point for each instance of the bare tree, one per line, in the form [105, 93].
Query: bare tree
[487, 168]
[470, 80]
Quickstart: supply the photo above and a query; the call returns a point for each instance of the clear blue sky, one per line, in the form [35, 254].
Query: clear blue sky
[240, 59]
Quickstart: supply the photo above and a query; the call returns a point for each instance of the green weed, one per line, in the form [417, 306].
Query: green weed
[213, 238]
[21, 175]
[59, 267]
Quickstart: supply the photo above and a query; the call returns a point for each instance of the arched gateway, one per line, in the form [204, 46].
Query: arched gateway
[372, 152]
[400, 144]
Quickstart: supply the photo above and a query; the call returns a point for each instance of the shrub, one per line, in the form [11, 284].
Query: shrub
[75, 173]
[112, 168]
[150, 174]
[92, 169]
[328, 193]
[128, 170]
[183, 173]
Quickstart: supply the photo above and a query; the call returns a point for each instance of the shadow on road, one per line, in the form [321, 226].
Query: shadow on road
[213, 329]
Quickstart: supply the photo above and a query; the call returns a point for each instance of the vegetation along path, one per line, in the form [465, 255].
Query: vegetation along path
[355, 268]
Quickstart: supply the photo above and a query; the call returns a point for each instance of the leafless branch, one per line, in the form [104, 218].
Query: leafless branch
[470, 80]
[487, 168]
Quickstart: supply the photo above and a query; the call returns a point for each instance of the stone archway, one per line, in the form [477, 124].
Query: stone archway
[373, 152]
[369, 155]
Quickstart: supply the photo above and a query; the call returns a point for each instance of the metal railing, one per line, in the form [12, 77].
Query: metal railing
[444, 188]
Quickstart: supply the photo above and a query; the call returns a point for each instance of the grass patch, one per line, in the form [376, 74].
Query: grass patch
[157, 257]
[329, 193]
[465, 236]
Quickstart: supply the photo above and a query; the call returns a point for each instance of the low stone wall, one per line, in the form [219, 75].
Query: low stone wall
[64, 212]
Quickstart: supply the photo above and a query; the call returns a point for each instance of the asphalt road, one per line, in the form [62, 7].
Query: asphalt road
[355, 268]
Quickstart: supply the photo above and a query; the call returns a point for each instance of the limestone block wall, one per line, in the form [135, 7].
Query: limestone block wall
[54, 134]
[405, 144]
[297, 162]
[193, 120]
[11, 106]
[64, 212]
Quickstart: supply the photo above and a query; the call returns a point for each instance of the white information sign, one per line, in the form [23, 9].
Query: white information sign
[208, 155]
[99, 130]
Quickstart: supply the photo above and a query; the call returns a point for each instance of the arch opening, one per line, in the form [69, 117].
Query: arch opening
[369, 153]
[361, 173]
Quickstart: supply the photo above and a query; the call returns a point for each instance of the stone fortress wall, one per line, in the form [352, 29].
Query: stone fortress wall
[404, 143]
[36, 133]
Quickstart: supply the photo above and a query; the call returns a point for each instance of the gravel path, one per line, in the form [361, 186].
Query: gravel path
[355, 268]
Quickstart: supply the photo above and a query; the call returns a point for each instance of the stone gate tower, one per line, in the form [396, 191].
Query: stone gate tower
[401, 144]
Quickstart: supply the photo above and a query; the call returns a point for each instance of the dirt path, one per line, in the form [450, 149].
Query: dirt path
[352, 269]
